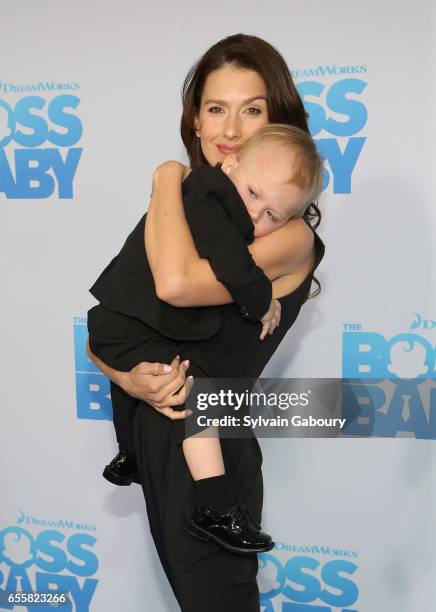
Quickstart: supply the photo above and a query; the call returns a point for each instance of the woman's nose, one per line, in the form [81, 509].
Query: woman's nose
[232, 128]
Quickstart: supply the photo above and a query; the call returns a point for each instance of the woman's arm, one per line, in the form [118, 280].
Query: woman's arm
[177, 269]
[182, 278]
[152, 383]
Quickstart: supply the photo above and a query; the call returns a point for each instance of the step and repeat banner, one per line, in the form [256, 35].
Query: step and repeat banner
[89, 106]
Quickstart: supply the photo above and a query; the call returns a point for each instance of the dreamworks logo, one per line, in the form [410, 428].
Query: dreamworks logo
[41, 86]
[420, 323]
[317, 550]
[25, 519]
[328, 70]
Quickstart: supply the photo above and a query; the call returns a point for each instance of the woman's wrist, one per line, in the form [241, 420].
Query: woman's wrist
[124, 380]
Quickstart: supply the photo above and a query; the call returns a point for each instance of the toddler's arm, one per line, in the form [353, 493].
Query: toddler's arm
[218, 239]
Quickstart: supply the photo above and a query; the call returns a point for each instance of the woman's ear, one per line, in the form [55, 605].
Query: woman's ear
[229, 163]
[197, 126]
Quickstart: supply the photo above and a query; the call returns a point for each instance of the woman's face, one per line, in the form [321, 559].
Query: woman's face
[232, 108]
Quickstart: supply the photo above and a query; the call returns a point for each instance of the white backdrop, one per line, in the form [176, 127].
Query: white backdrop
[353, 518]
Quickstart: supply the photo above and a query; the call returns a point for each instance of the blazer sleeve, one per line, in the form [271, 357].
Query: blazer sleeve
[218, 239]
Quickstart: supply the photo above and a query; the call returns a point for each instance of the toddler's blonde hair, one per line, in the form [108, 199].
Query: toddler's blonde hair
[308, 164]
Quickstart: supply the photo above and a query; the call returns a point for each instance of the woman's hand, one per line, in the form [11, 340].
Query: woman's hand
[151, 383]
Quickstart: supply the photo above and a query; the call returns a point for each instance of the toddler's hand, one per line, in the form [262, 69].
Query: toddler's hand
[271, 318]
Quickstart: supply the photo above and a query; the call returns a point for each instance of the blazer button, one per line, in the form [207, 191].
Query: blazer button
[244, 312]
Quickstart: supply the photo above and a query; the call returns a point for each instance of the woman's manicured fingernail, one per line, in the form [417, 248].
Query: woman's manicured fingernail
[178, 357]
[190, 379]
[186, 363]
[188, 412]
[167, 368]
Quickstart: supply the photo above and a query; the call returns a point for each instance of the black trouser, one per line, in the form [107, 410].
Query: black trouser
[204, 576]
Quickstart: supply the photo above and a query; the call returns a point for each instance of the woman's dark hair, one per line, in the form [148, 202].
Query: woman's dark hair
[283, 100]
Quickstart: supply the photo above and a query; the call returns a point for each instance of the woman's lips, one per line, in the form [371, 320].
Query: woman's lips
[227, 149]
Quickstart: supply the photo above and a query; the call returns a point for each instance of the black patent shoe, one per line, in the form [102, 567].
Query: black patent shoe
[122, 470]
[235, 530]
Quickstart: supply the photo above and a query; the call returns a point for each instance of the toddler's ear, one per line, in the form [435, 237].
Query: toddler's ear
[230, 162]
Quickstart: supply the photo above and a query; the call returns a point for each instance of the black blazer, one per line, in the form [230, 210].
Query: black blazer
[221, 228]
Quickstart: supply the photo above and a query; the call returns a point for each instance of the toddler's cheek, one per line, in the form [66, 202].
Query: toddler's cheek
[261, 230]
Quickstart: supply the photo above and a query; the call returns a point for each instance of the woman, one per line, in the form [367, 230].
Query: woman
[240, 84]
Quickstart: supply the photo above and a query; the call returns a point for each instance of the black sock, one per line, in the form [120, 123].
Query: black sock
[216, 493]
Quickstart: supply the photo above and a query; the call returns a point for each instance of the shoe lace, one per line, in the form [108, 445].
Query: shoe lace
[244, 513]
[238, 515]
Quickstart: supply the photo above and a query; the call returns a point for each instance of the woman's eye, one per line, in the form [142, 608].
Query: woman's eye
[214, 109]
[252, 193]
[253, 110]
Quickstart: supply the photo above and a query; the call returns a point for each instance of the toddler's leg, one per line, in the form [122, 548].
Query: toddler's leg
[219, 516]
[122, 470]
[203, 454]
[122, 342]
[206, 465]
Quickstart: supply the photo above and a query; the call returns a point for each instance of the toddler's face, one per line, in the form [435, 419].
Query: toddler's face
[263, 178]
